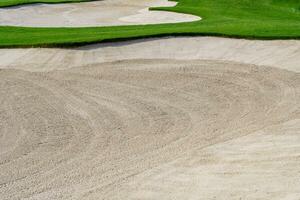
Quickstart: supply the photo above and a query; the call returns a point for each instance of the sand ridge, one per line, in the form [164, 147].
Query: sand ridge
[96, 13]
[275, 53]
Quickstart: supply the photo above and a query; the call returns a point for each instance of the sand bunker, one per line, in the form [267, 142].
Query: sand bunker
[97, 13]
[156, 125]
[278, 53]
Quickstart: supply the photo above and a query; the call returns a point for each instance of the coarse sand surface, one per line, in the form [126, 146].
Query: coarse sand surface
[174, 118]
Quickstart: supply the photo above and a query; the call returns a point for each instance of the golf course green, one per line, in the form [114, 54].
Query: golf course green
[263, 19]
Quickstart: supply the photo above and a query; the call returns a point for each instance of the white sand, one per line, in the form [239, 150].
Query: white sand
[177, 118]
[97, 13]
[278, 53]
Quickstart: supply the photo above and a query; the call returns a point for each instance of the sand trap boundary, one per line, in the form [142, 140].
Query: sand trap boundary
[97, 13]
[282, 54]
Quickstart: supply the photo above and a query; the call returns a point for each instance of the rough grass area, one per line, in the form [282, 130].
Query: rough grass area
[263, 19]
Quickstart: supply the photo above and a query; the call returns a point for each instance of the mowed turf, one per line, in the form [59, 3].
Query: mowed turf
[263, 19]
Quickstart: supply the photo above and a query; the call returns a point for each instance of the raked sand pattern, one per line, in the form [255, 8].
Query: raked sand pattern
[156, 125]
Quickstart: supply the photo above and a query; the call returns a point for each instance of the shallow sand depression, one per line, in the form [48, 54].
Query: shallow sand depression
[96, 13]
[172, 118]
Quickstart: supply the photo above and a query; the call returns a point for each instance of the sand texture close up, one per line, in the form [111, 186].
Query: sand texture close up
[176, 118]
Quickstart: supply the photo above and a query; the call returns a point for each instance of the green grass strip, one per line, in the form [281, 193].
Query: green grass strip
[253, 19]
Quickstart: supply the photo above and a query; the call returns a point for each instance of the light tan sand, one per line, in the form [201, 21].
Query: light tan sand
[181, 118]
[97, 13]
[282, 54]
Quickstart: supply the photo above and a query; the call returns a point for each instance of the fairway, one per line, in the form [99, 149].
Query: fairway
[265, 19]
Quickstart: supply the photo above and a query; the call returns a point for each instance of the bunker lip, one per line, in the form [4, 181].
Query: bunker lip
[275, 53]
[91, 14]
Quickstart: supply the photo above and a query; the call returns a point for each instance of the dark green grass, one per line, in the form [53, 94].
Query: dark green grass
[253, 19]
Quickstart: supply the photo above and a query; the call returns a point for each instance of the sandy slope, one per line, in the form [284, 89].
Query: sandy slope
[180, 118]
[278, 53]
[97, 13]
